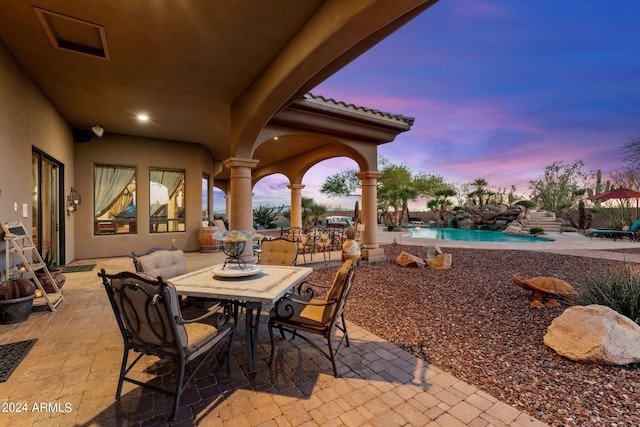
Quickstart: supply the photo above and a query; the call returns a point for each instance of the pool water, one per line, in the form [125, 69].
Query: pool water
[473, 235]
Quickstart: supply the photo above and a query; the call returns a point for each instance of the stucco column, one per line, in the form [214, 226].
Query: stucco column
[240, 195]
[296, 204]
[372, 252]
[227, 207]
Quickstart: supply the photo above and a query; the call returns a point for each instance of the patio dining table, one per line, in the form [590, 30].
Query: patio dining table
[249, 287]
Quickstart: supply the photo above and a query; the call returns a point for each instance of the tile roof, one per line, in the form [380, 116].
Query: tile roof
[359, 109]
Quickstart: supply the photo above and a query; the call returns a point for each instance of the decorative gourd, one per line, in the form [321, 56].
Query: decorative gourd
[350, 248]
[57, 275]
[17, 288]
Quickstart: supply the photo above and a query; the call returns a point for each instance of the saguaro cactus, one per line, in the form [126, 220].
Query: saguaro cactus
[599, 188]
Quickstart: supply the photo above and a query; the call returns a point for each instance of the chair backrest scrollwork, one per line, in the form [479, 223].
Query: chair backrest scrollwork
[146, 310]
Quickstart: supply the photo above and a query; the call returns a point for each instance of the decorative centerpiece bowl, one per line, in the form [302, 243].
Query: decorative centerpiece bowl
[233, 243]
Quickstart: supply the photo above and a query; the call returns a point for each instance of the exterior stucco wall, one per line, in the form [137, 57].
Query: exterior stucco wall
[141, 153]
[27, 120]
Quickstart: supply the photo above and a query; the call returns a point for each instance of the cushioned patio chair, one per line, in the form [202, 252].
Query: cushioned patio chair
[301, 313]
[151, 323]
[155, 262]
[279, 251]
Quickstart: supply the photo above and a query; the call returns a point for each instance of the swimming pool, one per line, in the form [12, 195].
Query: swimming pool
[473, 235]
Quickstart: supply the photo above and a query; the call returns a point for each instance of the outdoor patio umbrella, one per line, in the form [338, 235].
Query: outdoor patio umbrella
[619, 193]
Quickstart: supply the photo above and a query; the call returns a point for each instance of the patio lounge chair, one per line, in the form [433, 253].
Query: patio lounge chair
[151, 323]
[630, 232]
[302, 312]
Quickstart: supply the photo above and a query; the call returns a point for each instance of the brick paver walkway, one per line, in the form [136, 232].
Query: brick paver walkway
[69, 378]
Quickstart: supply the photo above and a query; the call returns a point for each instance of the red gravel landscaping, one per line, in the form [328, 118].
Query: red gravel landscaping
[473, 322]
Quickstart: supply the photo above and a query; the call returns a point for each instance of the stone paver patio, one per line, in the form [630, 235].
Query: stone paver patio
[69, 377]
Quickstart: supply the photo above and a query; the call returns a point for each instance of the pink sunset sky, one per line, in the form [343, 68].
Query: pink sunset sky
[499, 89]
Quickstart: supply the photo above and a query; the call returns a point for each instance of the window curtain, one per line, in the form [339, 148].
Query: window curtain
[111, 182]
[170, 179]
[123, 201]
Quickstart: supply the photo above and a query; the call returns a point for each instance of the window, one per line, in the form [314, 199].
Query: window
[166, 200]
[114, 195]
[205, 197]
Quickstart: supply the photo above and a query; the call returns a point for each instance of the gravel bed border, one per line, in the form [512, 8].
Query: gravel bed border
[473, 322]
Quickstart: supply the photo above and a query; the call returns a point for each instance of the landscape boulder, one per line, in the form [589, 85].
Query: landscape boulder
[595, 334]
[466, 224]
[513, 229]
[407, 260]
[350, 250]
[477, 219]
[488, 215]
[440, 262]
[429, 252]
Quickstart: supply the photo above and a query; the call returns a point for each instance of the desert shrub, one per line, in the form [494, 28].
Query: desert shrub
[536, 230]
[526, 203]
[265, 215]
[615, 287]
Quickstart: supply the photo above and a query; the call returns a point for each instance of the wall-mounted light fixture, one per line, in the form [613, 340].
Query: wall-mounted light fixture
[73, 200]
[98, 130]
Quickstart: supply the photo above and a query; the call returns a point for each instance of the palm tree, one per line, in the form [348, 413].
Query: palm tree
[434, 205]
[480, 191]
[442, 198]
[307, 203]
[316, 211]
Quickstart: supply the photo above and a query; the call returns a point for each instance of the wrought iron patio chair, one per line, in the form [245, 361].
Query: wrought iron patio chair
[279, 251]
[336, 237]
[167, 263]
[313, 242]
[298, 235]
[148, 314]
[155, 262]
[257, 245]
[301, 313]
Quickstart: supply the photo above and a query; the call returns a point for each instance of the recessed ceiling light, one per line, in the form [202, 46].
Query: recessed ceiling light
[143, 117]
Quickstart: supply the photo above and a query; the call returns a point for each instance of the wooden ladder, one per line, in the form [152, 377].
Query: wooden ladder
[18, 241]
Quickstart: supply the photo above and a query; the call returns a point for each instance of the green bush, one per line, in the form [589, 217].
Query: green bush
[264, 215]
[616, 288]
[526, 203]
[536, 230]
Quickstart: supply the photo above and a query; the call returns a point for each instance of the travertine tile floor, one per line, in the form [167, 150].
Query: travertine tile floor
[69, 377]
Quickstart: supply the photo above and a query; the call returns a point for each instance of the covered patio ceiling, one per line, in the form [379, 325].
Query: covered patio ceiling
[206, 72]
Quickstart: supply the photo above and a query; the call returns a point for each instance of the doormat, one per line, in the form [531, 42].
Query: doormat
[78, 268]
[11, 355]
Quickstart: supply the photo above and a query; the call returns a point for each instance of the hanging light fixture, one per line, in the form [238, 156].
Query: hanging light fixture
[75, 195]
[73, 200]
[98, 130]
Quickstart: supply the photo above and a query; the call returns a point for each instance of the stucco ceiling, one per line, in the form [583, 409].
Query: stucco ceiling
[201, 69]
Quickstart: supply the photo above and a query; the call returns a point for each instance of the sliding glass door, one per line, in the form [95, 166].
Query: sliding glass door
[47, 208]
